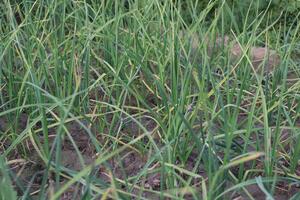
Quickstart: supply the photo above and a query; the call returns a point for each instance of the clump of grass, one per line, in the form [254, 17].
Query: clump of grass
[131, 78]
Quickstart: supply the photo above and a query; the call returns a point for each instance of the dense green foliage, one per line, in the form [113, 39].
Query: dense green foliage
[245, 9]
[125, 84]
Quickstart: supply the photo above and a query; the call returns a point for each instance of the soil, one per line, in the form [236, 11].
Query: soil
[126, 164]
[258, 55]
